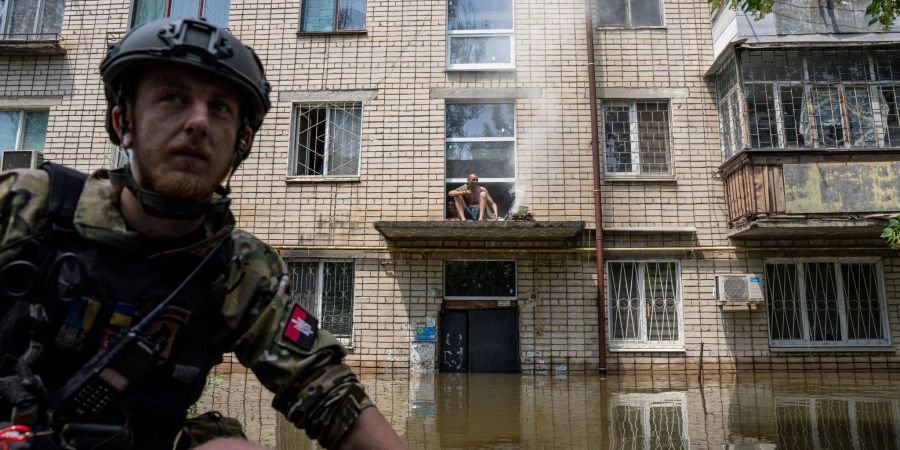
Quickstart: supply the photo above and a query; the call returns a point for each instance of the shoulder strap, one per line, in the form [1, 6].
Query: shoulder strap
[66, 185]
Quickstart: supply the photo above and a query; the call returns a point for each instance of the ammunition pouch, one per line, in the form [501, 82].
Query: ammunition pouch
[206, 427]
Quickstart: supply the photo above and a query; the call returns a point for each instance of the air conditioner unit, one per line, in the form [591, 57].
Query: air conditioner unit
[21, 159]
[744, 288]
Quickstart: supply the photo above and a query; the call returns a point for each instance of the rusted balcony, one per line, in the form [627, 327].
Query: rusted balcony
[31, 44]
[821, 193]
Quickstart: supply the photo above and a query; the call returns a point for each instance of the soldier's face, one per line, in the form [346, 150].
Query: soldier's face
[185, 125]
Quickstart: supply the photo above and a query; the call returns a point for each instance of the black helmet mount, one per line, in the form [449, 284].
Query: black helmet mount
[195, 44]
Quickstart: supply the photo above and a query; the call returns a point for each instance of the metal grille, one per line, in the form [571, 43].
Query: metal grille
[825, 303]
[327, 139]
[644, 302]
[637, 137]
[811, 98]
[649, 421]
[858, 424]
[326, 290]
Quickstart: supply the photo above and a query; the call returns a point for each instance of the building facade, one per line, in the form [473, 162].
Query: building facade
[743, 170]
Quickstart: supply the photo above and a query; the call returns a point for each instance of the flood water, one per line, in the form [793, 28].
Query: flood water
[748, 411]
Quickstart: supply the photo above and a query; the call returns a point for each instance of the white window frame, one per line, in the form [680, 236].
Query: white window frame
[508, 32]
[629, 22]
[812, 408]
[38, 23]
[645, 344]
[635, 144]
[806, 343]
[483, 297]
[295, 124]
[645, 402]
[20, 132]
[167, 14]
[320, 280]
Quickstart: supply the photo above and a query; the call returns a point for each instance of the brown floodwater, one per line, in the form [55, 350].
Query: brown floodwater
[758, 411]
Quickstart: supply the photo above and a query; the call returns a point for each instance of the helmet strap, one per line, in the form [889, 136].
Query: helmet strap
[167, 207]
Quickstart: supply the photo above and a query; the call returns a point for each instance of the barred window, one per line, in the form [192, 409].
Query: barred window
[810, 422]
[215, 11]
[327, 138]
[325, 289]
[810, 99]
[826, 303]
[30, 19]
[332, 15]
[480, 35]
[644, 301]
[649, 421]
[636, 137]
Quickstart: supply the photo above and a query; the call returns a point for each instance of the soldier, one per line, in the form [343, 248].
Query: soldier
[470, 199]
[83, 258]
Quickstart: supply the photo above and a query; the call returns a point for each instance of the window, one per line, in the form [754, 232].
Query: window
[481, 139]
[323, 16]
[215, 11]
[480, 280]
[834, 422]
[326, 139]
[480, 35]
[826, 303]
[636, 136]
[23, 130]
[30, 19]
[810, 99]
[630, 13]
[325, 289]
[645, 305]
[649, 421]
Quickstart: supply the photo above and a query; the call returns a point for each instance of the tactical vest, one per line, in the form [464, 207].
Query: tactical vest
[86, 310]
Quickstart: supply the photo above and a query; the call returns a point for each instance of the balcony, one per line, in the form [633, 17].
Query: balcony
[451, 233]
[811, 193]
[31, 44]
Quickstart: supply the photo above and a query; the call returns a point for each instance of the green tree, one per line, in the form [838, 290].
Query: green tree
[892, 233]
[884, 12]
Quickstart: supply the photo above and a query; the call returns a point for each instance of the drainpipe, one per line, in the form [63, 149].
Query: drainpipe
[595, 156]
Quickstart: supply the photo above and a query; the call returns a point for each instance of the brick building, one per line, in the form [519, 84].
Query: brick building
[721, 149]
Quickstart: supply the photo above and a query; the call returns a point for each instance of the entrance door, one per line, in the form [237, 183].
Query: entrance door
[479, 340]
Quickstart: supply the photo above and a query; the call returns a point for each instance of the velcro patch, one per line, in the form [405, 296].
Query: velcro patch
[301, 329]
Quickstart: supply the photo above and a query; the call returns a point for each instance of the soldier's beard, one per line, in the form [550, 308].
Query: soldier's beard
[180, 184]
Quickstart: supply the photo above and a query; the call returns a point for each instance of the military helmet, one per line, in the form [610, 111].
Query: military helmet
[192, 43]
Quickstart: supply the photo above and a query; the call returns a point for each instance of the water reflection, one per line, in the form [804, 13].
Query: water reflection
[736, 412]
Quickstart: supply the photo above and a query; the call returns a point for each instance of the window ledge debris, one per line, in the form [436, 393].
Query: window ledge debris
[312, 179]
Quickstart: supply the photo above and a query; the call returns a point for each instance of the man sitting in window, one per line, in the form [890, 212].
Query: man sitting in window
[470, 199]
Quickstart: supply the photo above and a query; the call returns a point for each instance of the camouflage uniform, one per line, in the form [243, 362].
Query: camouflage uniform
[313, 389]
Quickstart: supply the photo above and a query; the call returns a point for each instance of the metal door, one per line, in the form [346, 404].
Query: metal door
[454, 354]
[493, 340]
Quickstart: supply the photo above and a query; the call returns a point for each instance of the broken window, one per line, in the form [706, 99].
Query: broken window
[481, 139]
[215, 11]
[629, 13]
[812, 98]
[825, 303]
[332, 15]
[636, 137]
[326, 139]
[480, 35]
[30, 19]
[480, 280]
[325, 290]
[644, 304]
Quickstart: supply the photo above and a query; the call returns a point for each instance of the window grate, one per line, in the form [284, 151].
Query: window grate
[644, 304]
[325, 289]
[644, 421]
[825, 303]
[811, 423]
[327, 139]
[636, 137]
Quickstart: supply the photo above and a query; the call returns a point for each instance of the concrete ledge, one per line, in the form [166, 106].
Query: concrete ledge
[31, 47]
[651, 230]
[509, 230]
[359, 95]
[485, 93]
[809, 227]
[641, 93]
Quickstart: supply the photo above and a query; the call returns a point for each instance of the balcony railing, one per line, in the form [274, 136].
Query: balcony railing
[780, 185]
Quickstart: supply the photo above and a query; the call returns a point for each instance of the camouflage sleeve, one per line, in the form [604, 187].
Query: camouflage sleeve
[23, 196]
[301, 365]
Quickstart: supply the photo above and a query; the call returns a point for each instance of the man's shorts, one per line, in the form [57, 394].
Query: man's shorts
[471, 212]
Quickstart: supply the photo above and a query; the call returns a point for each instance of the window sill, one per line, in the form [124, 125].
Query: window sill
[313, 179]
[332, 33]
[646, 349]
[625, 28]
[640, 178]
[867, 349]
[482, 68]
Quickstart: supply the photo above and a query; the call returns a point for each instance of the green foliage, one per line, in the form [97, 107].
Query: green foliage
[892, 233]
[884, 12]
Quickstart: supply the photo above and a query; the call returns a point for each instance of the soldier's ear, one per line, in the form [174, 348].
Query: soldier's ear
[246, 139]
[123, 127]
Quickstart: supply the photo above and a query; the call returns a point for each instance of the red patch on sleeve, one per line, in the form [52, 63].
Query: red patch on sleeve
[301, 328]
